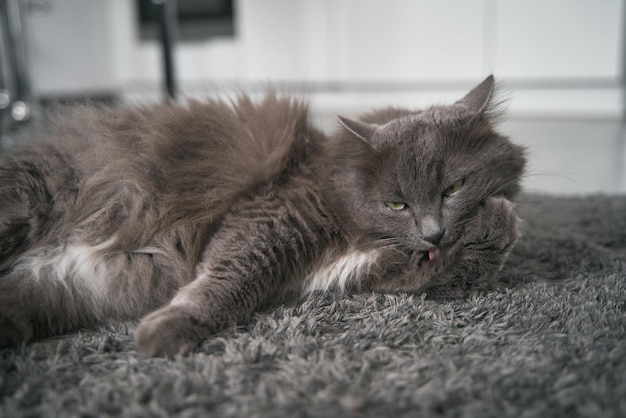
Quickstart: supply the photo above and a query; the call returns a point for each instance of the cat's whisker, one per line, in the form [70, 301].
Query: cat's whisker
[389, 243]
[534, 175]
[467, 221]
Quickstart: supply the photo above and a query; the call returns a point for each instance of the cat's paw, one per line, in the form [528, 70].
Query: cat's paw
[167, 332]
[495, 225]
[483, 248]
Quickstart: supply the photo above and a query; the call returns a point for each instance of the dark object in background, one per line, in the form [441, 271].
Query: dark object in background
[185, 20]
[16, 99]
[197, 19]
[168, 31]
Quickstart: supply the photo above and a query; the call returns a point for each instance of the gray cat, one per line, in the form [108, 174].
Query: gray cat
[200, 215]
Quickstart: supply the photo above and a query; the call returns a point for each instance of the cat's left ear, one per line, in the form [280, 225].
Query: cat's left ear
[362, 130]
[477, 100]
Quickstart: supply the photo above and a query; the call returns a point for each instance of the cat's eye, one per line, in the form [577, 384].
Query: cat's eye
[395, 205]
[454, 189]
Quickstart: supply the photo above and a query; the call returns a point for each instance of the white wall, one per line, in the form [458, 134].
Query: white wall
[557, 38]
[560, 61]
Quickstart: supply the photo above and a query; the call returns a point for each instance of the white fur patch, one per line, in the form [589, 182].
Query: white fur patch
[336, 273]
[82, 265]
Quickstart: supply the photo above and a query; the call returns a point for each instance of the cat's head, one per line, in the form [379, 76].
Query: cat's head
[414, 178]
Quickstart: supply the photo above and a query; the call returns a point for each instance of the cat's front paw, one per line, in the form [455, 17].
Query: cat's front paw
[494, 227]
[485, 244]
[167, 332]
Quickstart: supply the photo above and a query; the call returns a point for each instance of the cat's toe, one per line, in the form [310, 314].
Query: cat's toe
[167, 332]
[504, 218]
[496, 225]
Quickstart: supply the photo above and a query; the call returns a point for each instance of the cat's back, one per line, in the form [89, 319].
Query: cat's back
[139, 171]
[212, 148]
[242, 139]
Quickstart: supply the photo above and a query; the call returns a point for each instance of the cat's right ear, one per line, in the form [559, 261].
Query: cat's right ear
[361, 130]
[478, 99]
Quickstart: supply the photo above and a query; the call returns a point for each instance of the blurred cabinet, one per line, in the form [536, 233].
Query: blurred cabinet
[95, 44]
[400, 40]
[72, 47]
[397, 40]
[362, 40]
[558, 38]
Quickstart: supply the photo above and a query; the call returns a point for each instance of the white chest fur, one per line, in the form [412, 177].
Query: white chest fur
[337, 272]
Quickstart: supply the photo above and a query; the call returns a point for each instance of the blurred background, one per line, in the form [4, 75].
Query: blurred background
[560, 63]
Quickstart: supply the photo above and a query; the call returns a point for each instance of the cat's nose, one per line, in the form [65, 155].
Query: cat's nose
[434, 236]
[431, 229]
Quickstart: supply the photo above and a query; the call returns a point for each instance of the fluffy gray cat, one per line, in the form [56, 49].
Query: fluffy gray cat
[200, 215]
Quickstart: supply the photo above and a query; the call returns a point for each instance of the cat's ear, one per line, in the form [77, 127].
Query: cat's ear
[477, 100]
[362, 130]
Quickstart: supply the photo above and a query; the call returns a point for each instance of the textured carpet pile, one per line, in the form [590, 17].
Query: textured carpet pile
[550, 342]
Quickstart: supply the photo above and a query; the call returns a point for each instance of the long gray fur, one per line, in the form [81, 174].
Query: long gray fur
[551, 342]
[195, 217]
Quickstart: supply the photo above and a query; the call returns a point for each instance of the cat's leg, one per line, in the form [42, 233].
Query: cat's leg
[43, 294]
[25, 204]
[61, 288]
[12, 333]
[18, 307]
[14, 326]
[251, 260]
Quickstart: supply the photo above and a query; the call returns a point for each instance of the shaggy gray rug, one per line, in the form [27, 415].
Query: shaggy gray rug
[551, 342]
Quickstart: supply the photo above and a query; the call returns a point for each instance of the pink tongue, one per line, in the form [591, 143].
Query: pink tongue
[432, 254]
